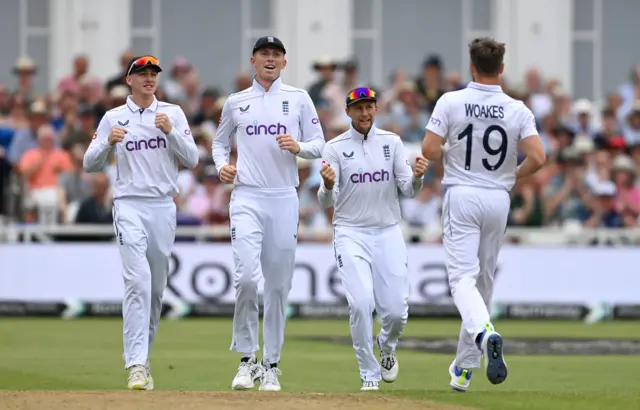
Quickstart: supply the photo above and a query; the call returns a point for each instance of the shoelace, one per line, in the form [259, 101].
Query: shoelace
[271, 375]
[138, 371]
[388, 361]
[245, 368]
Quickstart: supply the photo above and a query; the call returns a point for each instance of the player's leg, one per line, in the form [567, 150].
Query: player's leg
[132, 242]
[278, 263]
[496, 210]
[246, 242]
[461, 220]
[391, 291]
[354, 261]
[161, 225]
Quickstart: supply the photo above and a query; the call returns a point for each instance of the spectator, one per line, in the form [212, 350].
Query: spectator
[173, 84]
[40, 168]
[24, 138]
[96, 209]
[73, 186]
[209, 200]
[430, 85]
[25, 70]
[603, 212]
[119, 79]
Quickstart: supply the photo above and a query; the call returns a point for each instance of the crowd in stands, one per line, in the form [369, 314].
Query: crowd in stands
[590, 179]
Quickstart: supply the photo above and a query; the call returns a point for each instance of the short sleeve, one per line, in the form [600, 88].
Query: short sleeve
[439, 122]
[528, 126]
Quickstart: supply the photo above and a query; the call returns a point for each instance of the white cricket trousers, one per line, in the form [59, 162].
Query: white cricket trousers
[145, 233]
[264, 235]
[474, 223]
[373, 267]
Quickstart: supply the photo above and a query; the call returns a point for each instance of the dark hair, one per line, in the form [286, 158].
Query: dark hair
[487, 55]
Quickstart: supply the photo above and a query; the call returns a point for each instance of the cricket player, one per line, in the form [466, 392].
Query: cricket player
[477, 131]
[148, 138]
[273, 123]
[363, 170]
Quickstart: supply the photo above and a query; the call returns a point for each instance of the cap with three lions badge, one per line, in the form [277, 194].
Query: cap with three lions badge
[269, 41]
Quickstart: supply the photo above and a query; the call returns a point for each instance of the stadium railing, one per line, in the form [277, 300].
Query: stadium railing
[573, 235]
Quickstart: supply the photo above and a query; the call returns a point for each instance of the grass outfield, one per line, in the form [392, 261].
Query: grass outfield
[56, 364]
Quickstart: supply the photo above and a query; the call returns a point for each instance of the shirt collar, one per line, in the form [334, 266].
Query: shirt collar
[484, 87]
[360, 137]
[134, 108]
[274, 87]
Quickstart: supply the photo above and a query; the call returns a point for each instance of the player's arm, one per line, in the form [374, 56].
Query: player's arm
[181, 141]
[327, 195]
[532, 147]
[98, 151]
[437, 130]
[221, 145]
[312, 141]
[408, 182]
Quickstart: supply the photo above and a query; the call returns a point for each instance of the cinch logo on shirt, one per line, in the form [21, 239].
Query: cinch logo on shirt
[268, 129]
[364, 177]
[140, 145]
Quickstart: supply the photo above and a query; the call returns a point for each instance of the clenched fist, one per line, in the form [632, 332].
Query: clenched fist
[287, 143]
[116, 135]
[228, 174]
[421, 167]
[163, 123]
[328, 175]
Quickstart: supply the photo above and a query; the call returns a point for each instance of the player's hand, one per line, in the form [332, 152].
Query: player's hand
[287, 143]
[163, 123]
[328, 175]
[116, 135]
[421, 167]
[228, 174]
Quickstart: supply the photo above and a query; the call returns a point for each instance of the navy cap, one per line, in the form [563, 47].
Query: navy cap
[269, 41]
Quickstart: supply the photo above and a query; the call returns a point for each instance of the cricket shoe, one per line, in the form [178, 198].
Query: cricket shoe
[460, 378]
[269, 381]
[248, 372]
[389, 366]
[370, 385]
[491, 346]
[139, 378]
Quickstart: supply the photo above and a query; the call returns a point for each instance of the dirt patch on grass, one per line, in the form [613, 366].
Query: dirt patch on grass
[193, 400]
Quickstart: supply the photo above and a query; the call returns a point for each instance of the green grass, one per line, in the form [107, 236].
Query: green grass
[194, 355]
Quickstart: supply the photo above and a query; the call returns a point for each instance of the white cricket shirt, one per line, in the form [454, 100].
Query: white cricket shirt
[147, 158]
[369, 174]
[257, 117]
[481, 127]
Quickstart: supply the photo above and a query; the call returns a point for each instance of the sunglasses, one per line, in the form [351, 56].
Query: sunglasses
[144, 61]
[361, 93]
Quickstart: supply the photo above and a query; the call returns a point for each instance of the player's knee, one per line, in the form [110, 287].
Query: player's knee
[362, 307]
[245, 280]
[396, 315]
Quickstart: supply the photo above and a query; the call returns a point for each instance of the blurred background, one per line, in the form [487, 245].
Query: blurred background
[575, 63]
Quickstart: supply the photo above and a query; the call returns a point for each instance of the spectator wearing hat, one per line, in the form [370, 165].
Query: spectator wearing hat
[406, 115]
[584, 117]
[429, 86]
[25, 137]
[117, 96]
[566, 194]
[326, 68]
[81, 130]
[25, 69]
[172, 85]
[623, 175]
[603, 212]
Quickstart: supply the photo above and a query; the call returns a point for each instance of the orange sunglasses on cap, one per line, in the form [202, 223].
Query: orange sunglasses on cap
[141, 63]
